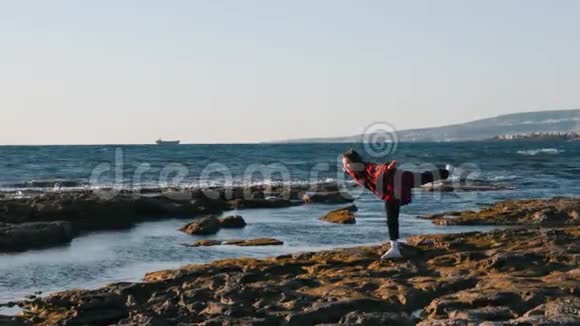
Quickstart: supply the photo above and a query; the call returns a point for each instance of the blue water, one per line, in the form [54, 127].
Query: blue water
[533, 169]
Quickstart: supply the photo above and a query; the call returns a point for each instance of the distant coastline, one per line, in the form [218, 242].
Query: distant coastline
[574, 135]
[550, 124]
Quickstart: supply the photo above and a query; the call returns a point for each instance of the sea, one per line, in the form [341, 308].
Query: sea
[528, 169]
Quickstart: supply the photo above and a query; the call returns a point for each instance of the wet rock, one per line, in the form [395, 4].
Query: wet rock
[232, 222]
[335, 197]
[9, 304]
[203, 226]
[211, 225]
[144, 320]
[19, 237]
[204, 243]
[343, 215]
[554, 212]
[88, 210]
[254, 242]
[240, 243]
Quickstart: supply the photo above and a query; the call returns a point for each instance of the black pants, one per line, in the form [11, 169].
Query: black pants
[393, 206]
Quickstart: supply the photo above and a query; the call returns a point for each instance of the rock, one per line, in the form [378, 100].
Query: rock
[335, 197]
[254, 242]
[232, 222]
[204, 243]
[550, 213]
[443, 322]
[446, 275]
[96, 308]
[19, 237]
[9, 304]
[562, 306]
[241, 243]
[565, 320]
[341, 216]
[561, 311]
[377, 319]
[353, 208]
[12, 321]
[451, 186]
[88, 210]
[484, 313]
[111, 209]
[258, 195]
[262, 203]
[332, 312]
[203, 226]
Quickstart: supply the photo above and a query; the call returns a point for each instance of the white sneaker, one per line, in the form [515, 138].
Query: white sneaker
[393, 253]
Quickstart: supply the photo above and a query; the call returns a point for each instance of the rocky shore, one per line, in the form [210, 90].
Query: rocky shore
[525, 276]
[35, 220]
[558, 211]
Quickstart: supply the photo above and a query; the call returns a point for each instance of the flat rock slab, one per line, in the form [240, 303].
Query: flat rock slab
[203, 243]
[465, 186]
[512, 276]
[236, 242]
[343, 215]
[254, 242]
[555, 212]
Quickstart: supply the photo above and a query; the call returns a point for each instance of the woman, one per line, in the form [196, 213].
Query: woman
[391, 185]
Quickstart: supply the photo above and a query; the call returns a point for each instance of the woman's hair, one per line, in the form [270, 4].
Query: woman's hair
[353, 156]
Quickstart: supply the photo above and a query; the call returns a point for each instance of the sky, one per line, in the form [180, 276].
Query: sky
[123, 72]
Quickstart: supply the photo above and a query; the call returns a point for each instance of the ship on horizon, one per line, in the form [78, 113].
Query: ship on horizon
[167, 142]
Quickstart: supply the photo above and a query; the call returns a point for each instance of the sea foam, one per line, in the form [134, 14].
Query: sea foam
[534, 152]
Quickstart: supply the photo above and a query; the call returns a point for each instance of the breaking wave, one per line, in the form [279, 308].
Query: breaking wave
[534, 152]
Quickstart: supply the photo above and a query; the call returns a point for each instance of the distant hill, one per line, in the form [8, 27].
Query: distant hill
[517, 123]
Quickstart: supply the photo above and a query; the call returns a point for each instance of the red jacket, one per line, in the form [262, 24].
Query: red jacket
[387, 184]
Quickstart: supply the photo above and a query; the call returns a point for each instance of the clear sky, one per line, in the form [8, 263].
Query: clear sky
[95, 72]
